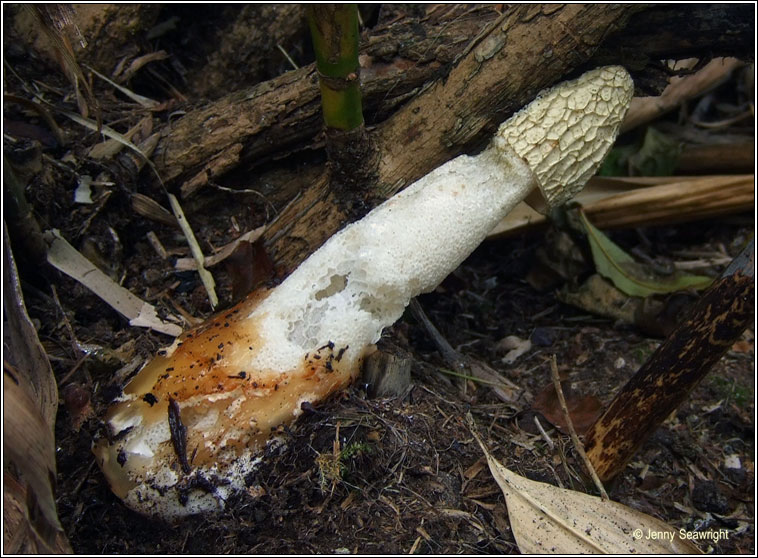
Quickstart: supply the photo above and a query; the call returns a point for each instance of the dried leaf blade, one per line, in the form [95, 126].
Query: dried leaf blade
[30, 402]
[70, 261]
[145, 102]
[184, 264]
[21, 345]
[548, 519]
[197, 253]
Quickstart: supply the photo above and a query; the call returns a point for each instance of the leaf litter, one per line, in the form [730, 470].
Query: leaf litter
[627, 275]
[391, 497]
[549, 520]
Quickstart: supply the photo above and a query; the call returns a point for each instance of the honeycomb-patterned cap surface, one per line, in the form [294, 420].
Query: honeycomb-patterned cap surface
[566, 132]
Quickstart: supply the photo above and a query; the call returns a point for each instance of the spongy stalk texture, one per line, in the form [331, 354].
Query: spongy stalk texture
[361, 280]
[192, 426]
[236, 378]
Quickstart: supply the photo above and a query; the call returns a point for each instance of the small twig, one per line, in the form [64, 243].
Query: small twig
[81, 482]
[467, 377]
[468, 368]
[574, 438]
[74, 341]
[189, 318]
[197, 253]
[44, 113]
[415, 546]
[723, 123]
[222, 253]
[287, 56]
[449, 354]
[157, 245]
[564, 463]
[550, 442]
[237, 191]
[74, 368]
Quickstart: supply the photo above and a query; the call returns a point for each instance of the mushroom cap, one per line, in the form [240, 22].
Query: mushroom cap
[566, 132]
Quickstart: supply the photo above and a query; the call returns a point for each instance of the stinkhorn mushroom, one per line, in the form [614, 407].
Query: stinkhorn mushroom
[191, 427]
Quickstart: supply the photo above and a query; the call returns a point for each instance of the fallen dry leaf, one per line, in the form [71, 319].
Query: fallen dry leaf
[583, 409]
[30, 402]
[549, 520]
[67, 259]
[742, 346]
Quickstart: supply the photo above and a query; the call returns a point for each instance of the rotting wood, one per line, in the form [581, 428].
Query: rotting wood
[284, 113]
[386, 374]
[738, 156]
[487, 84]
[397, 60]
[661, 385]
[449, 116]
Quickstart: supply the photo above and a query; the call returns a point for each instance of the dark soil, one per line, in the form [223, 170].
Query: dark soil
[374, 475]
[411, 475]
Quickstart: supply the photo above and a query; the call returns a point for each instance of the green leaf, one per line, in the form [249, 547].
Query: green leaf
[630, 277]
[616, 162]
[658, 155]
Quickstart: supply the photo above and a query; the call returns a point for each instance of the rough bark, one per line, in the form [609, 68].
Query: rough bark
[522, 52]
[502, 60]
[486, 63]
[398, 59]
[283, 114]
[715, 323]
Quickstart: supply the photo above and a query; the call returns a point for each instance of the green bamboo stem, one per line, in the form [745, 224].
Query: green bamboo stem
[353, 161]
[334, 30]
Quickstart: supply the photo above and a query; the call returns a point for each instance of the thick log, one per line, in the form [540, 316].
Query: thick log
[671, 31]
[521, 53]
[400, 58]
[511, 57]
[284, 113]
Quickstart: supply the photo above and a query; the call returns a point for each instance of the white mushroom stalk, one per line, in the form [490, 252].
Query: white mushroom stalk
[192, 425]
